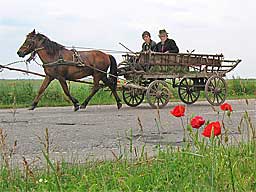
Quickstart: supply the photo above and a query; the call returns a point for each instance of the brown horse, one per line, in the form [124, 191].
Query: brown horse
[95, 63]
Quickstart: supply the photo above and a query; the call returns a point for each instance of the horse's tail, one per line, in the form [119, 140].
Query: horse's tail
[113, 71]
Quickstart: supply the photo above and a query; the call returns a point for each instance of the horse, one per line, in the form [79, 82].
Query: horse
[90, 63]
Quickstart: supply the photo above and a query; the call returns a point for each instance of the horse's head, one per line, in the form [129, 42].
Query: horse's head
[31, 44]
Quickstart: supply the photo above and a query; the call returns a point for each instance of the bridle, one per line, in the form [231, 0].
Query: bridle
[32, 42]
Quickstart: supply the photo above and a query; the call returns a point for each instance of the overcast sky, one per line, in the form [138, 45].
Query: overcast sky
[213, 27]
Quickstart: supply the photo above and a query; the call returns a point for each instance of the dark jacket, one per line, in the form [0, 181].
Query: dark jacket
[151, 46]
[168, 46]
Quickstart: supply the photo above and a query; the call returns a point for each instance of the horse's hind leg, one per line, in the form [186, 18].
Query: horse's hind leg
[66, 91]
[113, 89]
[94, 90]
[46, 82]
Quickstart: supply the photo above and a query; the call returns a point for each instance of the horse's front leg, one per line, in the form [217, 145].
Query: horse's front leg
[66, 91]
[46, 82]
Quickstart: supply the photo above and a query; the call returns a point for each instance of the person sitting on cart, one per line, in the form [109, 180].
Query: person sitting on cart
[149, 44]
[166, 45]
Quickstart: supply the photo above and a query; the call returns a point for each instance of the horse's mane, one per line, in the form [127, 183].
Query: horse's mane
[51, 47]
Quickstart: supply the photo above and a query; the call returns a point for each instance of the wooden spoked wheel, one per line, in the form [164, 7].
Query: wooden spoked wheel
[158, 94]
[216, 90]
[133, 96]
[187, 90]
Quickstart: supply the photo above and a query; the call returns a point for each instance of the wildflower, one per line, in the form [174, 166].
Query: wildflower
[197, 121]
[226, 107]
[208, 129]
[178, 111]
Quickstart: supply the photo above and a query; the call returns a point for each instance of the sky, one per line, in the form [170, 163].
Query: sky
[210, 27]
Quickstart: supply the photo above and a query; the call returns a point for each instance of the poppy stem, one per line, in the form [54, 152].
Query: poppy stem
[213, 160]
[223, 116]
[184, 130]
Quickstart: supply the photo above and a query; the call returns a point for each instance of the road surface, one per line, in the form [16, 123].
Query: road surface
[96, 131]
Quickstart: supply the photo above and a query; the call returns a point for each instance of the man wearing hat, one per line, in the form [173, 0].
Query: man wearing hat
[166, 45]
[149, 44]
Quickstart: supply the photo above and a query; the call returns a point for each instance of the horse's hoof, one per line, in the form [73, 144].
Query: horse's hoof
[76, 108]
[119, 105]
[32, 108]
[82, 106]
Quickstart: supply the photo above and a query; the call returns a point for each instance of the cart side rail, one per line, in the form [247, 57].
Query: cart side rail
[173, 59]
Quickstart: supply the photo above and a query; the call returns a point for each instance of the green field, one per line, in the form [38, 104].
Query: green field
[22, 92]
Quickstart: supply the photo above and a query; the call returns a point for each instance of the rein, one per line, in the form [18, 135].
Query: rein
[100, 49]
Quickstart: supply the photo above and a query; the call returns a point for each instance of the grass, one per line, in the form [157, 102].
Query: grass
[22, 92]
[169, 170]
[201, 164]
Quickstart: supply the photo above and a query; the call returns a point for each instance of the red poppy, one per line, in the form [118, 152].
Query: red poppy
[226, 107]
[208, 129]
[197, 122]
[178, 111]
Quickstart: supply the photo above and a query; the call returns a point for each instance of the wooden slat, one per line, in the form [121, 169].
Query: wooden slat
[169, 76]
[175, 59]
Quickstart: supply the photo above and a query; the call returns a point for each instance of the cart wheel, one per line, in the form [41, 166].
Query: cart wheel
[187, 91]
[133, 97]
[216, 90]
[158, 94]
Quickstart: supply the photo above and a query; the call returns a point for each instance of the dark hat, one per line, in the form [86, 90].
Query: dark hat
[162, 31]
[145, 33]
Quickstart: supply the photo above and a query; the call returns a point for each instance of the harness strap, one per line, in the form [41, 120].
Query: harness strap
[76, 55]
[77, 58]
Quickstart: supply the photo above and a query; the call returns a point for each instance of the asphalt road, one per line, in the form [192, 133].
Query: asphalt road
[96, 131]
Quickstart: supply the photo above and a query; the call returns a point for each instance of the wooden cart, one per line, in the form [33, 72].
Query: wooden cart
[148, 75]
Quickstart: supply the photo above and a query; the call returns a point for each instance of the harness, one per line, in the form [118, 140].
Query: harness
[77, 60]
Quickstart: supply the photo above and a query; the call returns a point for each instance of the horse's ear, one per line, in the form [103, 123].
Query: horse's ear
[34, 31]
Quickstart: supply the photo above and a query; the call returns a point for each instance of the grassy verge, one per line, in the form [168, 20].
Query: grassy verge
[201, 164]
[22, 92]
[224, 169]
